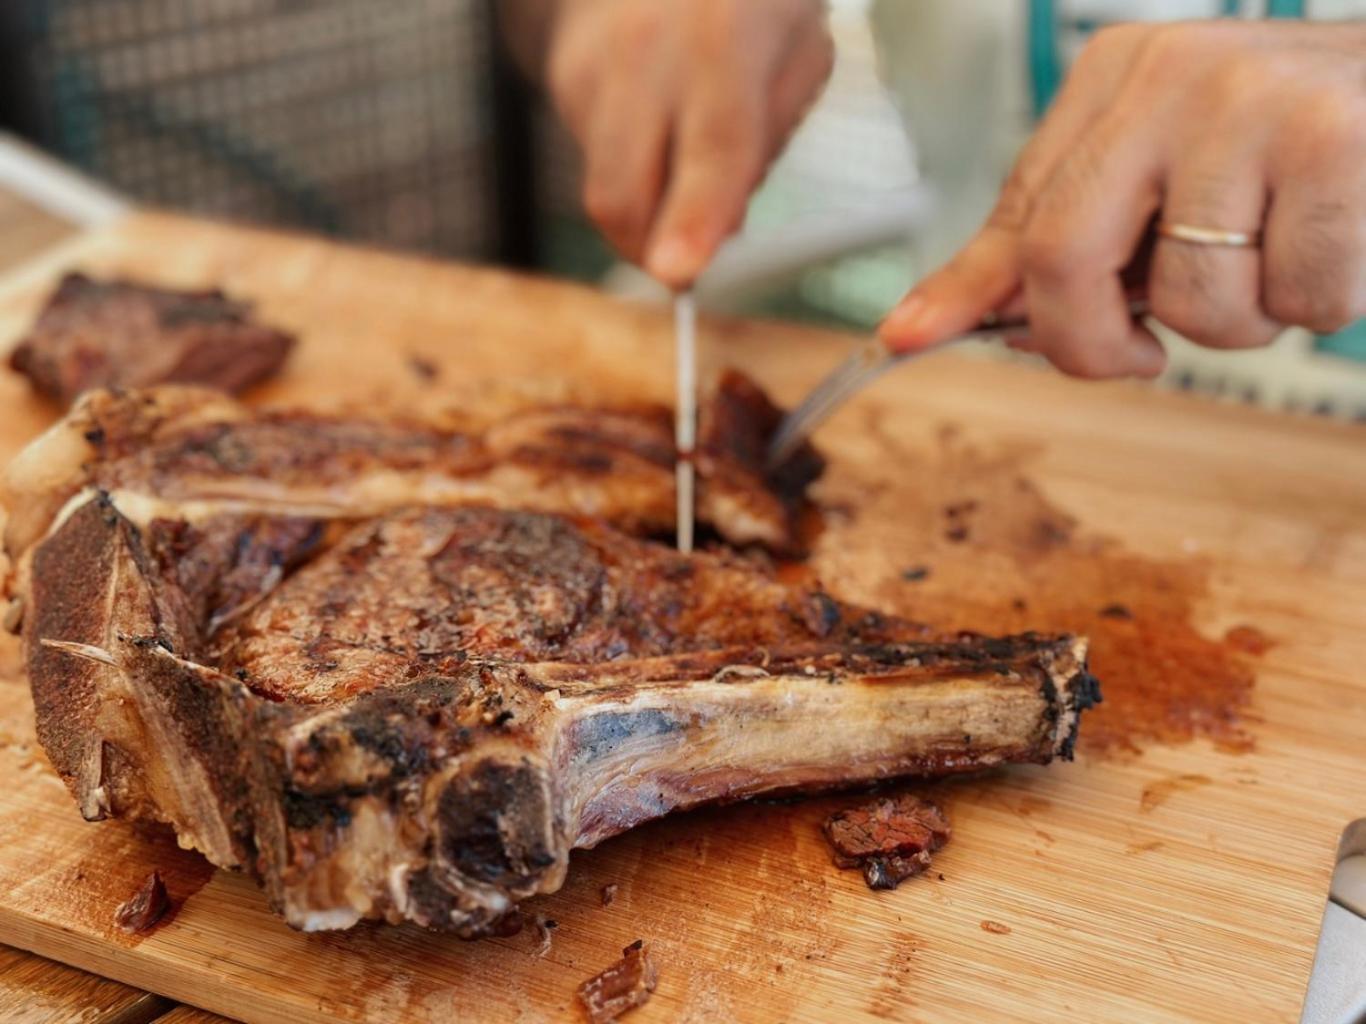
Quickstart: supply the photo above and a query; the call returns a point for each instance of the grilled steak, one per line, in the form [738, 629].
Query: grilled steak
[399, 674]
[114, 333]
[199, 453]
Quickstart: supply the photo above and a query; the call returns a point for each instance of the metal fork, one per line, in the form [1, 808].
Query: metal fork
[869, 362]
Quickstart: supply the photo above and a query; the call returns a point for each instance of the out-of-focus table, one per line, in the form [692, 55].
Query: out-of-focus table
[26, 229]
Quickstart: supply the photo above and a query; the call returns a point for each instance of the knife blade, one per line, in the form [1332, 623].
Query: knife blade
[685, 415]
[1337, 984]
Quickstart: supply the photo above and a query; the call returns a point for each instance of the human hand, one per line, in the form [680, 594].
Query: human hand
[1241, 126]
[680, 106]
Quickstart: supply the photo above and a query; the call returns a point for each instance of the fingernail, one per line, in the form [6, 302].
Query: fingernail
[671, 261]
[908, 324]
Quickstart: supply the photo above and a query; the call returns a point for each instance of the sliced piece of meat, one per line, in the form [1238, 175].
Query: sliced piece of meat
[436, 587]
[890, 839]
[191, 454]
[144, 908]
[625, 985]
[119, 334]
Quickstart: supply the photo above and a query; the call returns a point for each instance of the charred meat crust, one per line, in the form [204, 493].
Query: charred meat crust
[890, 839]
[489, 769]
[116, 333]
[415, 713]
[187, 446]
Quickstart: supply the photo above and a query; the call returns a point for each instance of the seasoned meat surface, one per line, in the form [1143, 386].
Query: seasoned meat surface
[116, 333]
[423, 590]
[203, 453]
[890, 839]
[398, 673]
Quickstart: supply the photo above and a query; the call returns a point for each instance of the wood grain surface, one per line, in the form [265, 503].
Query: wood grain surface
[1157, 878]
[34, 990]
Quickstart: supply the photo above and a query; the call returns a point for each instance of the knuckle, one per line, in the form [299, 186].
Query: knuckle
[1016, 201]
[1048, 253]
[1112, 41]
[1310, 274]
[1206, 323]
[1319, 309]
[1236, 81]
[1171, 49]
[1085, 361]
[1167, 44]
[1331, 123]
[638, 28]
[729, 138]
[607, 205]
[1186, 313]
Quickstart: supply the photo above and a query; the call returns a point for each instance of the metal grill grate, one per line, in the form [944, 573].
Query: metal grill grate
[358, 118]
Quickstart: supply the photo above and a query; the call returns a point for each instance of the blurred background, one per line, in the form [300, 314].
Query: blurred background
[404, 124]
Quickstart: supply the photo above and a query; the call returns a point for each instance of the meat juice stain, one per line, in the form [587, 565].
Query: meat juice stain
[1028, 566]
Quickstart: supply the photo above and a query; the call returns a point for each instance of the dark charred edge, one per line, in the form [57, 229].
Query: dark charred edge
[208, 714]
[494, 824]
[67, 568]
[978, 656]
[88, 554]
[400, 728]
[1085, 691]
[741, 420]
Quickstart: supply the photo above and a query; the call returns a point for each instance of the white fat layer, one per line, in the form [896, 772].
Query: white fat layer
[335, 919]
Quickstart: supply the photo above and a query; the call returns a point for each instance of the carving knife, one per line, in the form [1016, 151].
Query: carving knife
[1337, 985]
[685, 414]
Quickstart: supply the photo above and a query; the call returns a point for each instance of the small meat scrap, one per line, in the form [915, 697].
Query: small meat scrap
[891, 839]
[145, 907]
[996, 927]
[623, 986]
[609, 893]
[544, 927]
[121, 334]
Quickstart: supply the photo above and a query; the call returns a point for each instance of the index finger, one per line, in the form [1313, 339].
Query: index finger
[985, 274]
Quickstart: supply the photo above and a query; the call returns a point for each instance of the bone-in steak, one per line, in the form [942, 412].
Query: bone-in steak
[117, 333]
[400, 674]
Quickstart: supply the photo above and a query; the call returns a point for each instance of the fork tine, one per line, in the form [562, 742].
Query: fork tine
[868, 362]
[860, 368]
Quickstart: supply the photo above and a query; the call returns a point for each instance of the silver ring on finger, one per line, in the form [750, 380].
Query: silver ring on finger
[1197, 235]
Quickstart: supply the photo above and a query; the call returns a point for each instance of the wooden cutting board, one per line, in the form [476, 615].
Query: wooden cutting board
[1157, 878]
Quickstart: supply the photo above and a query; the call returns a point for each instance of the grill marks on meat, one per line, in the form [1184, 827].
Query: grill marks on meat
[119, 334]
[890, 839]
[387, 706]
[203, 454]
[434, 587]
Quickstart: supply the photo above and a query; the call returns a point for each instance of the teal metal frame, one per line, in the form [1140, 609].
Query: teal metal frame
[1045, 58]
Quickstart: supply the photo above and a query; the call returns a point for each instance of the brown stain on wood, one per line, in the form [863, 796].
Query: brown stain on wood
[1030, 566]
[895, 992]
[1146, 846]
[1249, 640]
[1158, 793]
